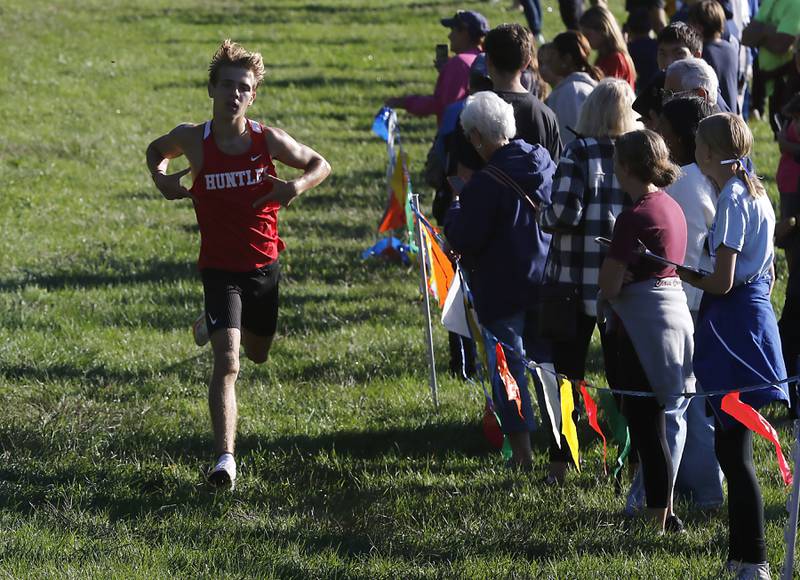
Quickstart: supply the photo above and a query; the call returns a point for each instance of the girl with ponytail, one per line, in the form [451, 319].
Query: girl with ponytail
[737, 341]
[568, 58]
[648, 331]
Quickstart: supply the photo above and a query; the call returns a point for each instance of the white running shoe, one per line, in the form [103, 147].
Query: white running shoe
[749, 571]
[224, 472]
[200, 330]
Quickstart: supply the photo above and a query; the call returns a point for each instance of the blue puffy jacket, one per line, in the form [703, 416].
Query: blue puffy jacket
[496, 233]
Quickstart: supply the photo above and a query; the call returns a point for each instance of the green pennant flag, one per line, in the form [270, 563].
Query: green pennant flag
[618, 425]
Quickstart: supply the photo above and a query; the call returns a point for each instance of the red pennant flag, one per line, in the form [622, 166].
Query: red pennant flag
[754, 421]
[512, 389]
[491, 430]
[591, 413]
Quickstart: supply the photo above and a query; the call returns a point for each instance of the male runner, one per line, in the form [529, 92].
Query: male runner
[236, 196]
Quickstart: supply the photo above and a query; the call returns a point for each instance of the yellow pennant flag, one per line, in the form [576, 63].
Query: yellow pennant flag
[568, 428]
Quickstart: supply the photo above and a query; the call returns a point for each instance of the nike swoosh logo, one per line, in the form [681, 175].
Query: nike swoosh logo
[212, 320]
[254, 157]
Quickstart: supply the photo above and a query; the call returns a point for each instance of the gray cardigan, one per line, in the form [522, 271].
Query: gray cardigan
[657, 320]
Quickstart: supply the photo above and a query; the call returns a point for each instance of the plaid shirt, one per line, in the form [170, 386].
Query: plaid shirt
[585, 204]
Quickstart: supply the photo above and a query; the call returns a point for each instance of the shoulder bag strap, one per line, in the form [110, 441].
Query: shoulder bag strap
[503, 178]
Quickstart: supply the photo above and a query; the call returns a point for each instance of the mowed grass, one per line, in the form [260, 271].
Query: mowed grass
[345, 468]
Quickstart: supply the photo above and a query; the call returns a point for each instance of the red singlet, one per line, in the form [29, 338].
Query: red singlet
[234, 236]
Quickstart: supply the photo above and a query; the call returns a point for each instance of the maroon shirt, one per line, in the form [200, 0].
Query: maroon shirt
[658, 221]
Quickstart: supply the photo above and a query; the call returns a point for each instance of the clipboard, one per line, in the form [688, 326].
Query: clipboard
[645, 253]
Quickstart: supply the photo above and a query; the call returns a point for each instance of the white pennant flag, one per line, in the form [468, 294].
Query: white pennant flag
[454, 315]
[552, 398]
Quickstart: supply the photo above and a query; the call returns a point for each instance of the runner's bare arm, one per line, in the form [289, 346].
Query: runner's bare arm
[159, 153]
[289, 152]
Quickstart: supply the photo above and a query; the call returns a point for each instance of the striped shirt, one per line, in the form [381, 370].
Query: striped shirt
[586, 201]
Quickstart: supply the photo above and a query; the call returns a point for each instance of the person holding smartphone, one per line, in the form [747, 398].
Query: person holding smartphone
[467, 31]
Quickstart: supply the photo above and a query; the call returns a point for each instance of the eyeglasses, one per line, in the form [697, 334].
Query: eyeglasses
[666, 95]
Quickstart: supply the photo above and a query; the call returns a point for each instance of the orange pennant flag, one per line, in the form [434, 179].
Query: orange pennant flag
[394, 216]
[753, 420]
[591, 413]
[512, 389]
[441, 268]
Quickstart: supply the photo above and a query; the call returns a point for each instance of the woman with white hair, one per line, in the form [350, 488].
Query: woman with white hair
[586, 201]
[492, 225]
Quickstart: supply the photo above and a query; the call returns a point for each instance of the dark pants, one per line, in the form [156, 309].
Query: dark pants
[571, 11]
[462, 355]
[789, 324]
[646, 421]
[569, 358]
[734, 448]
[533, 14]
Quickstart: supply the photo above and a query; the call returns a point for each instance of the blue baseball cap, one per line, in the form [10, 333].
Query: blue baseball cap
[475, 23]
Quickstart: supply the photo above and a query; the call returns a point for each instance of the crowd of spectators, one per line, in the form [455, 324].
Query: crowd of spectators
[556, 172]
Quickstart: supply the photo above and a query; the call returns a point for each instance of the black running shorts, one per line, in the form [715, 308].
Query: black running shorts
[246, 300]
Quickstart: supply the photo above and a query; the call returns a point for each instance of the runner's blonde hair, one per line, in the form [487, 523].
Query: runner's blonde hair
[232, 54]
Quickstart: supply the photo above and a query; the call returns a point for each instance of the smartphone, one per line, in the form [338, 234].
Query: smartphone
[456, 183]
[442, 52]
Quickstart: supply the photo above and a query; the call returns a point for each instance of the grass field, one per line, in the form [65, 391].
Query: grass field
[345, 468]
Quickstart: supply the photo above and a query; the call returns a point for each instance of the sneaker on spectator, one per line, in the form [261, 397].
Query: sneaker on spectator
[200, 330]
[749, 571]
[224, 472]
[731, 566]
[674, 525]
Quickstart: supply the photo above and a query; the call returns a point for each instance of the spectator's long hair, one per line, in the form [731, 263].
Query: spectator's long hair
[728, 137]
[644, 155]
[537, 87]
[601, 20]
[608, 110]
[573, 45]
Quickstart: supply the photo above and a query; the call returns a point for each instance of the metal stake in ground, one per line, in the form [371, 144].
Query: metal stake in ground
[426, 303]
[790, 532]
